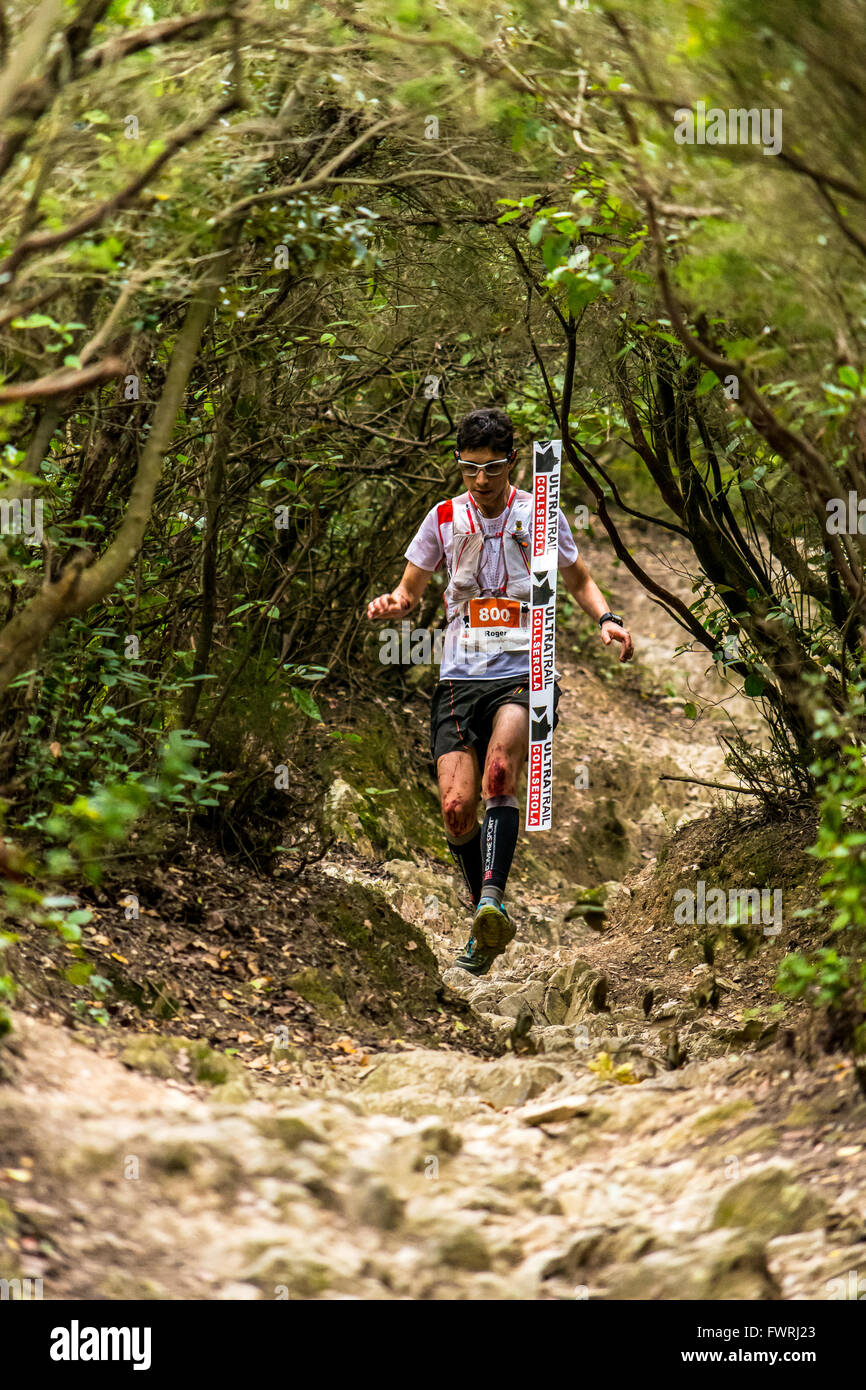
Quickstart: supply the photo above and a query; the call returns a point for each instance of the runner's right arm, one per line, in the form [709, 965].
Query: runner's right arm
[404, 598]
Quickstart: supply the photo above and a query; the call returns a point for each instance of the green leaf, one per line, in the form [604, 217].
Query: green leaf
[849, 377]
[690, 710]
[305, 702]
[708, 382]
[35, 321]
[80, 917]
[754, 686]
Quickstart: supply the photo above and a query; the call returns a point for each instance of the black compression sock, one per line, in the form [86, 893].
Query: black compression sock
[498, 843]
[467, 856]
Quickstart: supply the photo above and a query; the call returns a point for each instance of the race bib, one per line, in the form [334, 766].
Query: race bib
[494, 612]
[491, 627]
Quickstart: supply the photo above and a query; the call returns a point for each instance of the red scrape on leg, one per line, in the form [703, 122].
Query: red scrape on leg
[499, 782]
[458, 816]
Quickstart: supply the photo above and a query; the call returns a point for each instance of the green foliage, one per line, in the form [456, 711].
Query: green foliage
[841, 839]
[824, 978]
[827, 979]
[80, 730]
[92, 824]
[7, 985]
[575, 274]
[84, 832]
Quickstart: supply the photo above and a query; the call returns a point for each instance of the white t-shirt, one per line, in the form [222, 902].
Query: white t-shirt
[428, 553]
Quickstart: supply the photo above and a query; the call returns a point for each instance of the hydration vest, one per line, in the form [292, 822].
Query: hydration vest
[463, 542]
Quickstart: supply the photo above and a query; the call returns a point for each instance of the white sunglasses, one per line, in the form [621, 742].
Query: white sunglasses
[494, 469]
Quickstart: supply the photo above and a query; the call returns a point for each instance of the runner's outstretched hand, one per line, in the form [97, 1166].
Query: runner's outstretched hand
[612, 632]
[390, 605]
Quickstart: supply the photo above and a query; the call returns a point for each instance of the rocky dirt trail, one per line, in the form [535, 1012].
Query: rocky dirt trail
[605, 1116]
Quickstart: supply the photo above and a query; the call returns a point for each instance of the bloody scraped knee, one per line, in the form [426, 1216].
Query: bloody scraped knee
[500, 781]
[458, 815]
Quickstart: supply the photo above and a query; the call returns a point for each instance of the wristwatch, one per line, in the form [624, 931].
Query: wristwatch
[611, 618]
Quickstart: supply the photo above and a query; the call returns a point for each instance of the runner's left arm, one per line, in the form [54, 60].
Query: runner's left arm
[581, 585]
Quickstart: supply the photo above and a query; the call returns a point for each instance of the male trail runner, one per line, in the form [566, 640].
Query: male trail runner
[479, 721]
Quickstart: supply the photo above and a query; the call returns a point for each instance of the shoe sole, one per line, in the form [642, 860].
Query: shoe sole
[475, 970]
[493, 929]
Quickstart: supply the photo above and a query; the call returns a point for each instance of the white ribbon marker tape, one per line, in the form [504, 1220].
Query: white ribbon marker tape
[546, 465]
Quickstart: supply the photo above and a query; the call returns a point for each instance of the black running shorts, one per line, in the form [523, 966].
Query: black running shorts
[461, 716]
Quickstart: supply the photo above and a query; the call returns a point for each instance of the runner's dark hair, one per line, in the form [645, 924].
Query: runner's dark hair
[488, 427]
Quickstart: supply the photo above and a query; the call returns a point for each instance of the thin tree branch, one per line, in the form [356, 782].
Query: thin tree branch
[59, 383]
